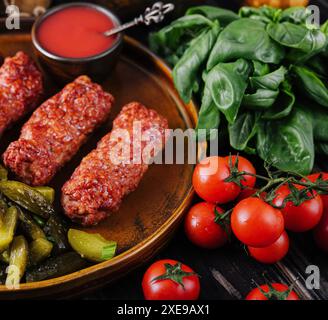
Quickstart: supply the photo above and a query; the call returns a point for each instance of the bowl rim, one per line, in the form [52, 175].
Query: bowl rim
[130, 254]
[55, 9]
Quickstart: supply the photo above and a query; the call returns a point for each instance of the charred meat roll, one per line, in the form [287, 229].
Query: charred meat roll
[20, 89]
[56, 130]
[116, 166]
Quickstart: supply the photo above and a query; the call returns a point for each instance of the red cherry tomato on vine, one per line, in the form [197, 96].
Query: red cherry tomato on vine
[210, 174]
[299, 218]
[273, 253]
[201, 227]
[320, 232]
[208, 181]
[256, 223]
[278, 291]
[170, 280]
[243, 165]
[314, 177]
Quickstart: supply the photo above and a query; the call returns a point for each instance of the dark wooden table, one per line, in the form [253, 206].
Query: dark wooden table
[229, 273]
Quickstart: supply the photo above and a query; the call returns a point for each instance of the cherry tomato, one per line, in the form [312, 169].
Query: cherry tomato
[208, 181]
[278, 291]
[201, 228]
[243, 165]
[299, 218]
[314, 177]
[256, 223]
[273, 253]
[170, 280]
[321, 230]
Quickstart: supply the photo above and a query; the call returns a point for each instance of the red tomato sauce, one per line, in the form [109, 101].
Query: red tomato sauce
[75, 32]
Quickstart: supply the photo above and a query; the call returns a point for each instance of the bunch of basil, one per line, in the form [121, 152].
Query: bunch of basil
[260, 74]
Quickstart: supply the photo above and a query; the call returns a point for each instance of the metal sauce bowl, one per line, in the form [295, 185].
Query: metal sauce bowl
[64, 69]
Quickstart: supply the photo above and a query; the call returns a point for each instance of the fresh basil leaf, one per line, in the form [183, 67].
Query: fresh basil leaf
[260, 68]
[270, 81]
[310, 83]
[246, 11]
[186, 70]
[245, 38]
[288, 143]
[313, 44]
[318, 62]
[288, 34]
[227, 83]
[319, 120]
[304, 41]
[266, 90]
[324, 29]
[282, 106]
[297, 15]
[214, 13]
[262, 99]
[250, 150]
[264, 13]
[209, 114]
[243, 130]
[173, 57]
[176, 36]
[319, 65]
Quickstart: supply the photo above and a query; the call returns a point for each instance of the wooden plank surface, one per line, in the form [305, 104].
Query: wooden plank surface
[229, 273]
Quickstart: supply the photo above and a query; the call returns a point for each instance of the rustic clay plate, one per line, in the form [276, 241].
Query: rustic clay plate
[149, 216]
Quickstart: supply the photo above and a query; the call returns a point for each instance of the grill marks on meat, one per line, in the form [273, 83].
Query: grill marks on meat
[20, 89]
[56, 130]
[99, 184]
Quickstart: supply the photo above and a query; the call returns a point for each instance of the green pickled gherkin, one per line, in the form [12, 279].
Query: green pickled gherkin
[5, 256]
[47, 192]
[40, 222]
[91, 246]
[40, 249]
[29, 226]
[3, 173]
[17, 261]
[3, 209]
[8, 228]
[3, 205]
[27, 197]
[56, 233]
[55, 267]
